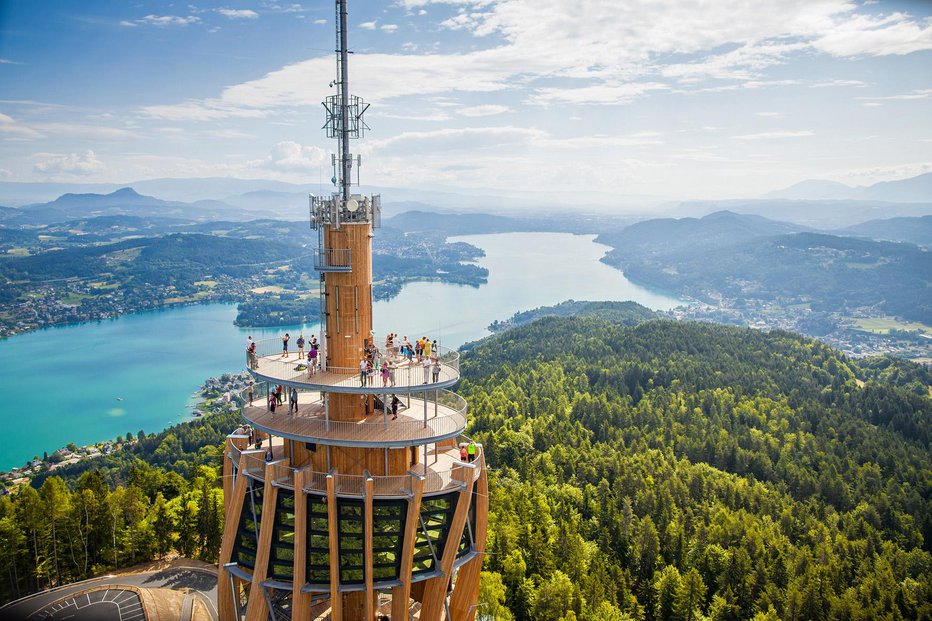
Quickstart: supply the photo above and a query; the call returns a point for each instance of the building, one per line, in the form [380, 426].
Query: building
[348, 509]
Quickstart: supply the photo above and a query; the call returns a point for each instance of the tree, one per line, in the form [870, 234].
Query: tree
[555, 597]
[57, 504]
[491, 603]
[690, 596]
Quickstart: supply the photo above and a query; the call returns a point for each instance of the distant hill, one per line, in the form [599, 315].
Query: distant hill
[127, 202]
[913, 230]
[913, 190]
[742, 257]
[669, 235]
[818, 214]
[626, 313]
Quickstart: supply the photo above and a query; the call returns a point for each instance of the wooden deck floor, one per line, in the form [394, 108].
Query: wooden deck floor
[435, 465]
[414, 425]
[409, 376]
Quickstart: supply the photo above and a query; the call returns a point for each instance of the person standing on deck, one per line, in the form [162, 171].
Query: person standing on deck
[301, 346]
[426, 366]
[293, 401]
[384, 373]
[391, 372]
[311, 360]
[471, 451]
[395, 402]
[426, 347]
[363, 371]
[435, 369]
[285, 345]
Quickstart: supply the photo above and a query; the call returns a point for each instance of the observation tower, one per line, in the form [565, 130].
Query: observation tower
[346, 511]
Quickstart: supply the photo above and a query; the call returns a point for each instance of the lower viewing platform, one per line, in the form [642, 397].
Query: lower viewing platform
[421, 418]
[437, 465]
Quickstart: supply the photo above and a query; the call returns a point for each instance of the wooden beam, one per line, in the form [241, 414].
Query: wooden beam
[367, 546]
[435, 589]
[402, 594]
[226, 607]
[258, 608]
[336, 599]
[301, 602]
[239, 442]
[466, 592]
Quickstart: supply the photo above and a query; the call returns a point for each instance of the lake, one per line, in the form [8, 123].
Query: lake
[91, 382]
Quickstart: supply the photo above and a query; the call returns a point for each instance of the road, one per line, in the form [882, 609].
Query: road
[60, 603]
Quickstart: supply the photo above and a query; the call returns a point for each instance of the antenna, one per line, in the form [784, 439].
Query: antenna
[344, 112]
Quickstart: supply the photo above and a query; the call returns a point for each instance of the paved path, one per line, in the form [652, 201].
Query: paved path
[113, 604]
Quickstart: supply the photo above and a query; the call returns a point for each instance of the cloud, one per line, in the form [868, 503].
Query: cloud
[483, 110]
[389, 27]
[7, 61]
[14, 130]
[774, 135]
[5, 174]
[367, 25]
[290, 156]
[77, 164]
[456, 139]
[925, 93]
[320, 21]
[238, 13]
[162, 21]
[771, 115]
[876, 36]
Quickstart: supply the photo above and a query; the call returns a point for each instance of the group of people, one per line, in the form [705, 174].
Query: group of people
[277, 398]
[468, 451]
[397, 352]
[424, 350]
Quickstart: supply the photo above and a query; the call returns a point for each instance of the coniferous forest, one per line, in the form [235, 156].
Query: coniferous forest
[662, 471]
[681, 471]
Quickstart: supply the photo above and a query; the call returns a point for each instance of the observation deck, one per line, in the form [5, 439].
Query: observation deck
[438, 467]
[409, 375]
[436, 417]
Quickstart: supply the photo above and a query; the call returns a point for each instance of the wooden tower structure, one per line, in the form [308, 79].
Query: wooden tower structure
[357, 503]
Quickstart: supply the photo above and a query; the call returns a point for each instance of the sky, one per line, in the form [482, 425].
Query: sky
[700, 99]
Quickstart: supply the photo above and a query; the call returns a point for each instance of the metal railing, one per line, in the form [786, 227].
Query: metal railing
[333, 260]
[353, 485]
[429, 416]
[402, 372]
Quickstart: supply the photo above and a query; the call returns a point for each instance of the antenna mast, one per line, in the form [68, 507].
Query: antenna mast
[344, 112]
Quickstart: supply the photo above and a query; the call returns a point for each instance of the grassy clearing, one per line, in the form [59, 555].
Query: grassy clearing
[210, 284]
[18, 252]
[883, 325]
[269, 289]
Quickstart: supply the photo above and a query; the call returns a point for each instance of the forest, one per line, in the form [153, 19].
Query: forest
[658, 471]
[685, 471]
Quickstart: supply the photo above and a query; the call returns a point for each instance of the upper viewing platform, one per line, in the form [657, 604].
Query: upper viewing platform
[404, 374]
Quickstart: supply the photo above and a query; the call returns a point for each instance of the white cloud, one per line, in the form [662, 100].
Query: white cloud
[773, 135]
[925, 93]
[389, 27]
[483, 110]
[166, 20]
[14, 130]
[320, 21]
[771, 115]
[5, 174]
[290, 156]
[77, 164]
[456, 139]
[7, 61]
[367, 25]
[876, 36]
[238, 13]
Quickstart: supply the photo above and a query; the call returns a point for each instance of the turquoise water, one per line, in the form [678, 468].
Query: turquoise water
[91, 382]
